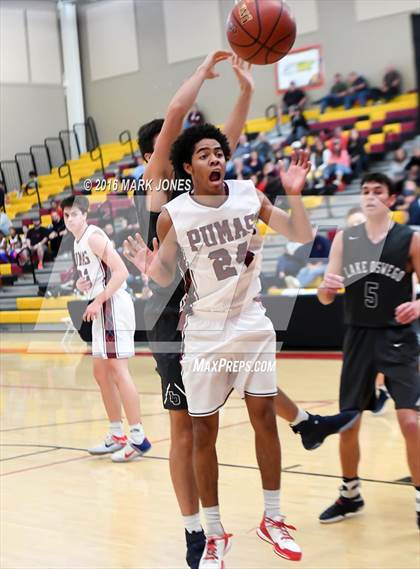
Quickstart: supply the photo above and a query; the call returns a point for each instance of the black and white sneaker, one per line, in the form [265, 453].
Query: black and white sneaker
[196, 541]
[317, 428]
[341, 509]
[380, 402]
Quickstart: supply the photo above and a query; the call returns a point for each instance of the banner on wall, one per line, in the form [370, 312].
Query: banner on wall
[303, 66]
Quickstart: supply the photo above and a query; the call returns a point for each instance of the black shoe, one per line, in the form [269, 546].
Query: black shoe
[341, 509]
[317, 428]
[380, 402]
[195, 547]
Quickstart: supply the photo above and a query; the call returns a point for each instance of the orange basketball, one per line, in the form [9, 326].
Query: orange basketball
[261, 31]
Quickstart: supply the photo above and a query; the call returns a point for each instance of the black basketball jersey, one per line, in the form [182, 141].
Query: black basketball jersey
[375, 275]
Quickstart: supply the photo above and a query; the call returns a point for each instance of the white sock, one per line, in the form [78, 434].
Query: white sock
[213, 523]
[137, 433]
[301, 416]
[116, 429]
[272, 503]
[350, 488]
[192, 523]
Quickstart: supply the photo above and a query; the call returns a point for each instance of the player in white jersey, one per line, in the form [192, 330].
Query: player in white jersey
[102, 277]
[212, 228]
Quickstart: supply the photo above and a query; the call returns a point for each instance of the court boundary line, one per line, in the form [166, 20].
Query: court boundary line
[288, 355]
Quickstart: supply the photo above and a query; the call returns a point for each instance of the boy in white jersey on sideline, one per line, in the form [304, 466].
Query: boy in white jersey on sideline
[102, 276]
[212, 228]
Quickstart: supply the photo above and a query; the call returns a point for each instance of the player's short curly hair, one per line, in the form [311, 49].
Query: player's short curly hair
[183, 147]
[81, 202]
[146, 135]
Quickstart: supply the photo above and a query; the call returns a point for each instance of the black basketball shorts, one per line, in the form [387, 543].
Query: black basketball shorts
[393, 351]
[168, 365]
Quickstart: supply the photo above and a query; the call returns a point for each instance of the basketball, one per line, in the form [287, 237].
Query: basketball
[261, 31]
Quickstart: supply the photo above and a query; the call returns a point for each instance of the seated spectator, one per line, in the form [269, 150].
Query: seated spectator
[57, 231]
[414, 212]
[243, 147]
[238, 170]
[339, 135]
[391, 85]
[408, 195]
[293, 97]
[397, 168]
[15, 248]
[5, 223]
[263, 147]
[270, 182]
[317, 162]
[307, 275]
[299, 125]
[337, 163]
[414, 160]
[2, 196]
[195, 117]
[356, 149]
[55, 206]
[32, 184]
[122, 234]
[357, 91]
[336, 95]
[4, 257]
[37, 240]
[109, 230]
[254, 162]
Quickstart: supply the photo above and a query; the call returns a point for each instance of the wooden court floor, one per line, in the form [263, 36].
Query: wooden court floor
[61, 508]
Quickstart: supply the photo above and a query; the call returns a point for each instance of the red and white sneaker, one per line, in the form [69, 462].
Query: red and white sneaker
[111, 444]
[215, 549]
[276, 532]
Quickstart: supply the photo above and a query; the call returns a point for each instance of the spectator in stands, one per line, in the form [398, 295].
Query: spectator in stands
[313, 258]
[287, 265]
[5, 223]
[238, 170]
[57, 231]
[122, 234]
[397, 168]
[414, 160]
[195, 117]
[317, 163]
[299, 125]
[337, 93]
[109, 230]
[254, 162]
[270, 182]
[2, 196]
[357, 91]
[337, 134]
[55, 206]
[32, 184]
[391, 85]
[293, 97]
[15, 246]
[263, 147]
[414, 212]
[356, 149]
[4, 257]
[337, 163]
[37, 240]
[243, 147]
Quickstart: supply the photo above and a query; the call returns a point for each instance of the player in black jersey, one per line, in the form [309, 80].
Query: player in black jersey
[374, 262]
[162, 309]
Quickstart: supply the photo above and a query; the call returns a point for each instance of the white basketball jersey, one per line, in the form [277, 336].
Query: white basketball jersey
[215, 243]
[90, 265]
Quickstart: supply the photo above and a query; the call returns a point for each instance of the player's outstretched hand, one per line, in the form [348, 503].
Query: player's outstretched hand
[332, 283]
[138, 253]
[211, 60]
[243, 73]
[294, 178]
[407, 312]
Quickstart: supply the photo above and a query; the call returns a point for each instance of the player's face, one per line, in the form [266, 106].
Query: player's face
[74, 219]
[208, 166]
[375, 199]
